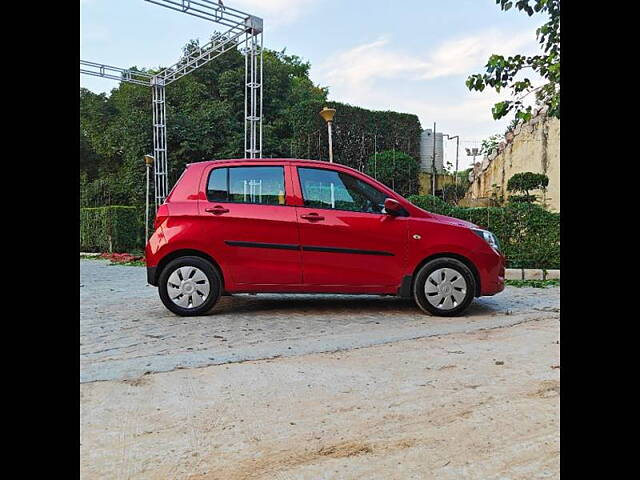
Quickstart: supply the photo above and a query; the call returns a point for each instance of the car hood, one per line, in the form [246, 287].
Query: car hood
[452, 221]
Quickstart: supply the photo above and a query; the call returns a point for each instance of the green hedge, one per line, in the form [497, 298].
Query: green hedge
[529, 235]
[357, 134]
[111, 229]
[397, 170]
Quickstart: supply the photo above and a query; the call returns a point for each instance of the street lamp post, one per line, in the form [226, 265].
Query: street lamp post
[148, 161]
[328, 114]
[433, 163]
[457, 137]
[472, 152]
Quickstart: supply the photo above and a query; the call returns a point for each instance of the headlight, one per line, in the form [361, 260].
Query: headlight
[488, 237]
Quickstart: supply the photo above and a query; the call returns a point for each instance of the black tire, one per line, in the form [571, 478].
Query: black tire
[212, 275]
[426, 270]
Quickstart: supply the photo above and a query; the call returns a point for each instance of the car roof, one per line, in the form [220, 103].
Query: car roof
[243, 160]
[286, 161]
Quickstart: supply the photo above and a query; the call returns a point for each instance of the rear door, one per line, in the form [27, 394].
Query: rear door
[253, 231]
[345, 236]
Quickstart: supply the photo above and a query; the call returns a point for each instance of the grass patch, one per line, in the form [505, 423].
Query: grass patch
[533, 283]
[91, 257]
[133, 263]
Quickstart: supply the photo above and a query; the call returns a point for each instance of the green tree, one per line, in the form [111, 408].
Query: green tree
[523, 183]
[463, 178]
[88, 157]
[205, 120]
[396, 170]
[205, 113]
[504, 72]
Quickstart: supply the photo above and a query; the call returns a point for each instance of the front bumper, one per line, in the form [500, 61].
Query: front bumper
[492, 274]
[499, 285]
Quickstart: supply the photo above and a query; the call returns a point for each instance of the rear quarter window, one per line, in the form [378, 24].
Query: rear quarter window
[217, 186]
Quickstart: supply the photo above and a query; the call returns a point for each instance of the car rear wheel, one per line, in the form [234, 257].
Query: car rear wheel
[189, 286]
[444, 287]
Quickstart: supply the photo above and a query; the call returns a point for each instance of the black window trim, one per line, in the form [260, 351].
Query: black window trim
[298, 167]
[216, 167]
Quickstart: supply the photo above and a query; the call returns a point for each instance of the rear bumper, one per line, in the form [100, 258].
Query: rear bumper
[151, 276]
[152, 255]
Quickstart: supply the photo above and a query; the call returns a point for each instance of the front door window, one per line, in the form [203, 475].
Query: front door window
[339, 191]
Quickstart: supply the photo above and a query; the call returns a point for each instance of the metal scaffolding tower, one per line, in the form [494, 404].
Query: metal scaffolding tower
[243, 28]
[253, 97]
[159, 140]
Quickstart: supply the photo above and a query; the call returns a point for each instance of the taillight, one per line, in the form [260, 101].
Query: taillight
[161, 216]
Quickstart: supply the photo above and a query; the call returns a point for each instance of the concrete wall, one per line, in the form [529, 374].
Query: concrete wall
[425, 182]
[477, 202]
[532, 147]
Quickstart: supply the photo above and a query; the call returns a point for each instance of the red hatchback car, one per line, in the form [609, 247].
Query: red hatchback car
[304, 226]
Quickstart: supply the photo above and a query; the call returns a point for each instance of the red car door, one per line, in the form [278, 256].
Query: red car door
[253, 232]
[345, 237]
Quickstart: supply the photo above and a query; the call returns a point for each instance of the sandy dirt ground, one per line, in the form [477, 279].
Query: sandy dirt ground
[476, 402]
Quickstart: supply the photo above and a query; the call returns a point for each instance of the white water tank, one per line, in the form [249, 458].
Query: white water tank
[426, 151]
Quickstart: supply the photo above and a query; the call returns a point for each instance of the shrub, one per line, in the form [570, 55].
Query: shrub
[109, 229]
[523, 182]
[529, 235]
[431, 203]
[396, 170]
[490, 144]
[453, 192]
[522, 198]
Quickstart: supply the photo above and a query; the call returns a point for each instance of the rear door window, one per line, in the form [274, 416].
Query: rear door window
[254, 184]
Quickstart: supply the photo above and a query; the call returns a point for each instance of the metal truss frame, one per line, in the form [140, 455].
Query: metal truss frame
[243, 28]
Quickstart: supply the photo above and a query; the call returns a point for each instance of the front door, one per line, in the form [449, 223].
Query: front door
[346, 238]
[254, 231]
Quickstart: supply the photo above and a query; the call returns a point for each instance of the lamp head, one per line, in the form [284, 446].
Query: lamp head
[328, 114]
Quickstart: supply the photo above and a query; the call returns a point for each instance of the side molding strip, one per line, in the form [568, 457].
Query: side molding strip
[277, 246]
[345, 250]
[306, 248]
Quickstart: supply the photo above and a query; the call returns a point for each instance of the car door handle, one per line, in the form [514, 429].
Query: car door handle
[312, 216]
[216, 210]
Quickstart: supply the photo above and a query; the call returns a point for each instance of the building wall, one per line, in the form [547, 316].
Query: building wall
[532, 147]
[425, 182]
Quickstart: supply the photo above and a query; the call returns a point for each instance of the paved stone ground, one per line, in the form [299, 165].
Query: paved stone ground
[125, 331]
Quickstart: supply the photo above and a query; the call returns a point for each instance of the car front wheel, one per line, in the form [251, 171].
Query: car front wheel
[189, 286]
[444, 287]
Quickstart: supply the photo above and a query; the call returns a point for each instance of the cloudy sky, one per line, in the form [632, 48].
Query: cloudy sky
[404, 55]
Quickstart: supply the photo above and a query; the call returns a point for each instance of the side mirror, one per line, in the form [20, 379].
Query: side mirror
[393, 207]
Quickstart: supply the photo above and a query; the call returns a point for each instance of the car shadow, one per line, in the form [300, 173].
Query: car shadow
[325, 304]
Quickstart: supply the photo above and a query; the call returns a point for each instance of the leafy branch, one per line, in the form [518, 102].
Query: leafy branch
[500, 72]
